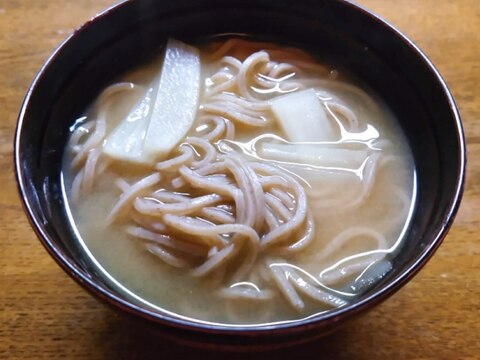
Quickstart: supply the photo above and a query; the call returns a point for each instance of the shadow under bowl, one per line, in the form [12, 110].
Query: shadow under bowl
[345, 34]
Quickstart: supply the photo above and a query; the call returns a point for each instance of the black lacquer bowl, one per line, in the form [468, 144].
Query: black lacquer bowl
[344, 33]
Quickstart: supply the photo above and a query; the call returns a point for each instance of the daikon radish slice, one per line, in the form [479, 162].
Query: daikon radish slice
[125, 142]
[302, 117]
[321, 155]
[163, 116]
[177, 100]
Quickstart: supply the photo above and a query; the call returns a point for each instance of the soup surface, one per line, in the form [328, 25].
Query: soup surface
[283, 188]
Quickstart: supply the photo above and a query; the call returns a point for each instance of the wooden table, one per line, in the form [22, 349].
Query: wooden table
[45, 315]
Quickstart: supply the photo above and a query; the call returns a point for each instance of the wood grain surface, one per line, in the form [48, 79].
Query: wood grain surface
[45, 315]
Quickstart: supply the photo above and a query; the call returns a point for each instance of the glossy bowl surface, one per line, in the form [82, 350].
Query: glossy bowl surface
[336, 30]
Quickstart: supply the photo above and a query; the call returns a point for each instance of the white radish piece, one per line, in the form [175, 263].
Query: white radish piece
[321, 155]
[302, 117]
[125, 142]
[162, 118]
[177, 100]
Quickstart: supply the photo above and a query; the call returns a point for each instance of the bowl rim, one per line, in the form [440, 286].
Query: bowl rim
[334, 316]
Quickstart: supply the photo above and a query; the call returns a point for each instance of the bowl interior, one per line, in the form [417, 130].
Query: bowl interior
[335, 30]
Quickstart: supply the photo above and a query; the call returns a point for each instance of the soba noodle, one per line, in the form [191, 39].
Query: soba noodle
[217, 212]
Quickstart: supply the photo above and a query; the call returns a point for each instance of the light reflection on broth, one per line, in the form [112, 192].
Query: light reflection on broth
[250, 219]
